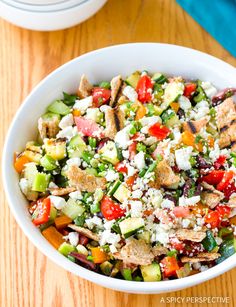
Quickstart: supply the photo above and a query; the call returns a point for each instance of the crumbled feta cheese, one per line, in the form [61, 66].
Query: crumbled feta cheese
[107, 225]
[57, 201]
[149, 121]
[209, 89]
[94, 221]
[113, 249]
[201, 110]
[122, 137]
[73, 237]
[67, 132]
[215, 152]
[218, 240]
[182, 157]
[66, 121]
[168, 204]
[196, 265]
[24, 185]
[137, 194]
[83, 104]
[130, 93]
[92, 113]
[125, 154]
[189, 201]
[204, 268]
[150, 140]
[131, 170]
[104, 107]
[111, 175]
[108, 237]
[76, 195]
[52, 185]
[139, 160]
[162, 234]
[136, 208]
[73, 161]
[82, 249]
[185, 223]
[184, 103]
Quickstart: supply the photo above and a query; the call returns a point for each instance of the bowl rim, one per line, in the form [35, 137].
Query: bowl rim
[53, 254]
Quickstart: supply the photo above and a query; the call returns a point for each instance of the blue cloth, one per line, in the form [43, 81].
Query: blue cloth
[218, 17]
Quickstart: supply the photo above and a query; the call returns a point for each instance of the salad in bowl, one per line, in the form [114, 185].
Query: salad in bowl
[134, 177]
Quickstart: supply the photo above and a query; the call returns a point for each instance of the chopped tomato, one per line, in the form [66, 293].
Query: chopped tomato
[214, 177]
[159, 131]
[189, 89]
[177, 244]
[88, 127]
[213, 218]
[110, 209]
[121, 167]
[138, 137]
[130, 180]
[224, 211]
[230, 189]
[100, 96]
[219, 162]
[181, 211]
[169, 266]
[42, 212]
[144, 89]
[132, 150]
[83, 240]
[228, 176]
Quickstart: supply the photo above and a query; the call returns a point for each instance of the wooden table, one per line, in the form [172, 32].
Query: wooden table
[27, 278]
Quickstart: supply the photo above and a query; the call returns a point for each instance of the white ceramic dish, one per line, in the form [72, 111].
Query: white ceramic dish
[49, 17]
[100, 65]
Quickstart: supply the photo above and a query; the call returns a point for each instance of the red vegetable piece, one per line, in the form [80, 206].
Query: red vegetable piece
[100, 96]
[159, 131]
[110, 209]
[223, 210]
[132, 150]
[213, 219]
[121, 168]
[219, 162]
[181, 211]
[189, 89]
[42, 211]
[227, 178]
[88, 127]
[214, 177]
[144, 89]
[169, 266]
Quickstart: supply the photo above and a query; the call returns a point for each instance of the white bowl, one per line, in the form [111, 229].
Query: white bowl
[48, 17]
[101, 65]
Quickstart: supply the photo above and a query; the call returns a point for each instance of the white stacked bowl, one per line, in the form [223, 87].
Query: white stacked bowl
[48, 15]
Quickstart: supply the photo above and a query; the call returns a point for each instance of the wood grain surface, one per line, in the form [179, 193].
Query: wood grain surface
[27, 278]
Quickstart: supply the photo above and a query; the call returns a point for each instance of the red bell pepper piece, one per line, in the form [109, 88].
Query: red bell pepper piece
[42, 212]
[159, 131]
[219, 162]
[144, 89]
[121, 168]
[230, 189]
[214, 177]
[100, 96]
[224, 211]
[132, 150]
[169, 266]
[213, 219]
[110, 209]
[189, 89]
[228, 176]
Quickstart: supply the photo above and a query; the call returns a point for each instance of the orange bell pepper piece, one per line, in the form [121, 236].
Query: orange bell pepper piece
[53, 236]
[98, 254]
[76, 112]
[174, 106]
[62, 221]
[20, 163]
[141, 112]
[188, 139]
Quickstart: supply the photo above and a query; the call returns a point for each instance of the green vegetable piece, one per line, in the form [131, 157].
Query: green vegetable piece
[159, 78]
[114, 187]
[48, 163]
[141, 147]
[79, 221]
[92, 142]
[133, 79]
[76, 147]
[50, 116]
[105, 84]
[69, 100]
[71, 258]
[59, 107]
[106, 268]
[209, 243]
[227, 249]
[66, 248]
[151, 272]
[200, 94]
[73, 208]
[127, 274]
[95, 208]
[41, 182]
[223, 232]
[92, 171]
[86, 156]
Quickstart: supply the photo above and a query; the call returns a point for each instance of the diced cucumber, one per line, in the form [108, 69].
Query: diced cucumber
[95, 208]
[29, 172]
[159, 78]
[73, 208]
[171, 93]
[40, 182]
[48, 163]
[151, 272]
[92, 171]
[122, 193]
[133, 79]
[130, 226]
[209, 243]
[98, 194]
[227, 249]
[94, 114]
[114, 187]
[79, 221]
[58, 107]
[51, 116]
[105, 84]
[144, 235]
[106, 268]
[66, 248]
[87, 156]
[109, 153]
[184, 271]
[127, 274]
[55, 148]
[76, 147]
[170, 118]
